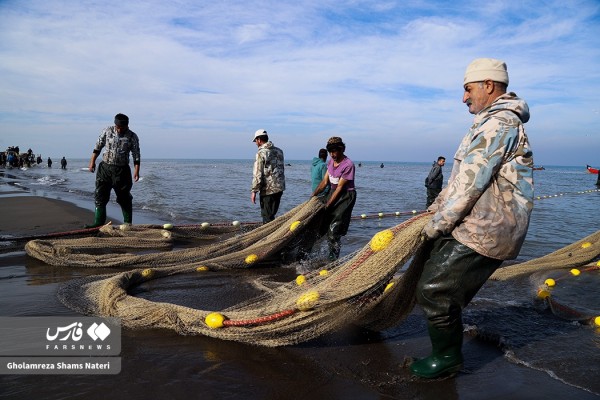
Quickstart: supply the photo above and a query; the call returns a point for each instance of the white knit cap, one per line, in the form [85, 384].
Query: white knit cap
[481, 69]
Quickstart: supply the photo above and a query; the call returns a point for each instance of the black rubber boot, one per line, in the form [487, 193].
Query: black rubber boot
[99, 218]
[446, 353]
[334, 249]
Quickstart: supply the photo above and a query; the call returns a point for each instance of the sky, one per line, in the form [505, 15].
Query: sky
[197, 77]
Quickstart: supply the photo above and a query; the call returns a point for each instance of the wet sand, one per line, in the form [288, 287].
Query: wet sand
[350, 364]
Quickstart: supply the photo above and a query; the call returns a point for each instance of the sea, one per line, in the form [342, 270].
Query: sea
[187, 191]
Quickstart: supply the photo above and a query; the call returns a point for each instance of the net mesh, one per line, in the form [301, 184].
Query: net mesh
[570, 294]
[372, 287]
[262, 242]
[573, 255]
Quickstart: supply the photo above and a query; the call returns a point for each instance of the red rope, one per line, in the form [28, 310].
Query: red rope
[53, 235]
[261, 320]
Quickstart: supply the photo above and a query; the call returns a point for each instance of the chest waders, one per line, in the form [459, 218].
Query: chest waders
[451, 277]
[337, 221]
[117, 178]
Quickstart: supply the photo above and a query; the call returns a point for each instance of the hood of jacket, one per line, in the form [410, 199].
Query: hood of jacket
[267, 145]
[316, 161]
[507, 102]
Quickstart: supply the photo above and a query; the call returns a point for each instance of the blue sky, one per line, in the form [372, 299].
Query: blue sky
[197, 78]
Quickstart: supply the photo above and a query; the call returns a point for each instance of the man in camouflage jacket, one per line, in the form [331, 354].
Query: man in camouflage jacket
[481, 217]
[268, 178]
[114, 173]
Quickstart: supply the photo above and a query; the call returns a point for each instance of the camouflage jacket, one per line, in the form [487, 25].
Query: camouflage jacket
[118, 147]
[268, 173]
[488, 201]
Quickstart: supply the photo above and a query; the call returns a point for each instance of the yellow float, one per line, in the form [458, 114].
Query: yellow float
[214, 320]
[381, 240]
[307, 301]
[251, 259]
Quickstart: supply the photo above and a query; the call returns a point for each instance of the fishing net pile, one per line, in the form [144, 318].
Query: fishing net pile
[263, 243]
[372, 287]
[361, 286]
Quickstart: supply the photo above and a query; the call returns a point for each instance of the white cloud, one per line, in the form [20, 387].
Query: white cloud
[252, 33]
[201, 75]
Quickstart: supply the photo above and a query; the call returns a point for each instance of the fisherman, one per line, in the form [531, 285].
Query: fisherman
[268, 176]
[63, 163]
[114, 171]
[481, 217]
[434, 180]
[342, 196]
[318, 170]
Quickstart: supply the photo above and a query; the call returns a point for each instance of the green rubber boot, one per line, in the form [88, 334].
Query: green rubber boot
[446, 353]
[127, 215]
[99, 218]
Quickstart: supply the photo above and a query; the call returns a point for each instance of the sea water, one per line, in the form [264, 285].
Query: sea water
[565, 210]
[196, 191]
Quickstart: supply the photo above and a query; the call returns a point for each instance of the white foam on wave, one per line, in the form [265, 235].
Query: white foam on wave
[48, 181]
[510, 356]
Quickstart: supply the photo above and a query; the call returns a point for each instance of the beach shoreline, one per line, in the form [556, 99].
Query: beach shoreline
[35, 215]
[351, 363]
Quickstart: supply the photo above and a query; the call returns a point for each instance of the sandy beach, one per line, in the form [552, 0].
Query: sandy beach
[158, 364]
[32, 215]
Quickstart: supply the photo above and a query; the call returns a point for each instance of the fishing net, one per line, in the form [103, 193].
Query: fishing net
[362, 284]
[570, 294]
[254, 246]
[571, 267]
[372, 287]
[573, 255]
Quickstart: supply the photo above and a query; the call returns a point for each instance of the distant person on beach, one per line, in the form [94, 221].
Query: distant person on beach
[10, 159]
[114, 171]
[318, 170]
[481, 217]
[342, 196]
[434, 180]
[268, 176]
[63, 163]
[49, 162]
